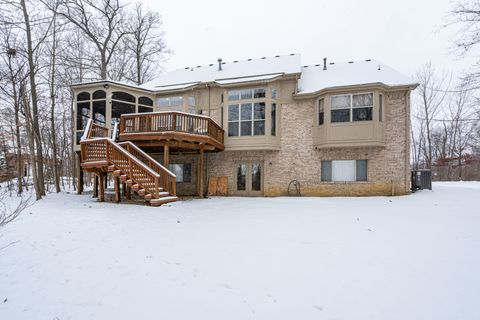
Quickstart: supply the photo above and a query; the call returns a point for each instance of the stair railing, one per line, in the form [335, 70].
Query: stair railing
[167, 178]
[98, 149]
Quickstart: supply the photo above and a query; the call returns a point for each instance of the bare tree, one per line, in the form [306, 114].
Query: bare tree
[101, 22]
[432, 91]
[52, 78]
[146, 43]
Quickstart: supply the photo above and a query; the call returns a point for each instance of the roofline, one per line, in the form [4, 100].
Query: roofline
[193, 84]
[381, 85]
[109, 82]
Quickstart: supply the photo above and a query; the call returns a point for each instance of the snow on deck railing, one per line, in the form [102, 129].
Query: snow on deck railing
[115, 131]
[163, 112]
[124, 152]
[87, 130]
[146, 155]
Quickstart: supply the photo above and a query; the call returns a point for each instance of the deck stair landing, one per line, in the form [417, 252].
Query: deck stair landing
[128, 164]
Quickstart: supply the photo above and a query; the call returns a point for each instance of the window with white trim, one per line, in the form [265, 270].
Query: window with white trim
[351, 107]
[246, 119]
[246, 94]
[344, 170]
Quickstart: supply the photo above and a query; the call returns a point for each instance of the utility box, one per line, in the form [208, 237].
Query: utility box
[421, 179]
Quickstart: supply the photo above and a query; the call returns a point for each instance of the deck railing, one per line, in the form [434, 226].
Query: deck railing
[168, 179]
[97, 131]
[152, 122]
[101, 149]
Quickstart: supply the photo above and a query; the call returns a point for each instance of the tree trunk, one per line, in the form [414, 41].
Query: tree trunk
[16, 106]
[103, 66]
[56, 176]
[31, 145]
[33, 90]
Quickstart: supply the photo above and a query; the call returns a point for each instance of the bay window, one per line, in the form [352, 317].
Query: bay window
[351, 107]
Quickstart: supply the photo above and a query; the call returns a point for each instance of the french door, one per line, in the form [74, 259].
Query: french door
[249, 178]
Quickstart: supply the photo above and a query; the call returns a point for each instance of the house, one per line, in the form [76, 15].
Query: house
[253, 127]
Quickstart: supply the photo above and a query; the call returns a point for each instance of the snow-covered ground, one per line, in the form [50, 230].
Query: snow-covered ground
[411, 257]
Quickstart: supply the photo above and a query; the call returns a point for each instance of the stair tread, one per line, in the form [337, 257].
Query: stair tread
[162, 199]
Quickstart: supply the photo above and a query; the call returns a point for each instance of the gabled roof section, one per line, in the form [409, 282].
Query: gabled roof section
[352, 73]
[264, 68]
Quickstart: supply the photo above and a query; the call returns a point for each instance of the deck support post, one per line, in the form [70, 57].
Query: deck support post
[116, 185]
[166, 156]
[106, 181]
[95, 185]
[102, 187]
[200, 173]
[129, 193]
[80, 174]
[124, 189]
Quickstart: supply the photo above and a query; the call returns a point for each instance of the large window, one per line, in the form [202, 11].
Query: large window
[122, 103]
[352, 107]
[183, 171]
[145, 104]
[344, 170]
[90, 107]
[246, 119]
[170, 103]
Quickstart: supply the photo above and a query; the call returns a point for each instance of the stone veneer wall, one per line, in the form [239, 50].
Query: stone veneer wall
[388, 168]
[184, 188]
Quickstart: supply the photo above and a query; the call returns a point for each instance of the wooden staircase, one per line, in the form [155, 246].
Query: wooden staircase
[128, 164]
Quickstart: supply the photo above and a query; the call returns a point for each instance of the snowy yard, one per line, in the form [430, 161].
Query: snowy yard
[411, 257]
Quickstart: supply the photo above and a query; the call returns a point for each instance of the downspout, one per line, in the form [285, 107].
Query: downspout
[208, 100]
[206, 154]
[407, 142]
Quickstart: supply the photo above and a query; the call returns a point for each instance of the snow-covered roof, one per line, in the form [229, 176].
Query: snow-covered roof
[232, 72]
[314, 78]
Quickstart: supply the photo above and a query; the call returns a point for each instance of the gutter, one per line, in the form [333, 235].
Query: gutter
[379, 85]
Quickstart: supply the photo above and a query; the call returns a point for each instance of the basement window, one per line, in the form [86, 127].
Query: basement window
[344, 170]
[183, 171]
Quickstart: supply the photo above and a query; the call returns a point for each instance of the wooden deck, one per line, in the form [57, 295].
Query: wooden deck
[173, 129]
[129, 166]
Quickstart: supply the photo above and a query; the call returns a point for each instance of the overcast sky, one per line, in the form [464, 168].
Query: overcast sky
[403, 34]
